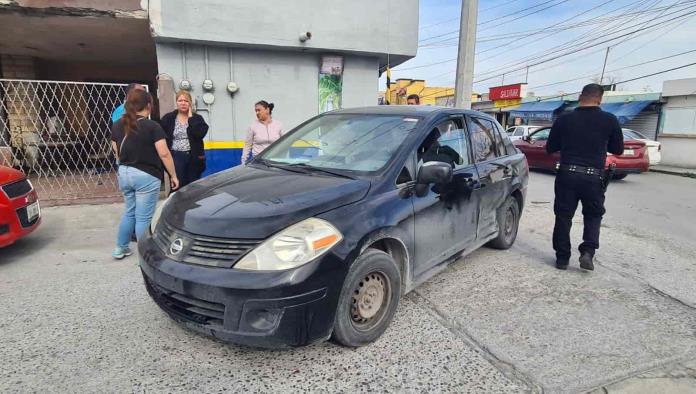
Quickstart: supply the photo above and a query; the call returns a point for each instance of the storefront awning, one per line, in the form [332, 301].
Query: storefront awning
[541, 110]
[625, 112]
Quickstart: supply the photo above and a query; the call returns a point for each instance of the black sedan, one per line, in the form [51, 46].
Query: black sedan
[321, 233]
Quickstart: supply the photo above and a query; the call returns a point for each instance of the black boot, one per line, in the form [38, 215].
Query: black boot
[561, 264]
[586, 261]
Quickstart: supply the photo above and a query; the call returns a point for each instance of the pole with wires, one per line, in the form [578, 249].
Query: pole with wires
[606, 56]
[465, 58]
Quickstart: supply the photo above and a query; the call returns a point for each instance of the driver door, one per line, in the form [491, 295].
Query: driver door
[446, 218]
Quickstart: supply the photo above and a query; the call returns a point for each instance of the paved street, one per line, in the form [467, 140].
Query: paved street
[74, 320]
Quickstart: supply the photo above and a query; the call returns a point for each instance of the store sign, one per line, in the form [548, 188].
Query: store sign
[507, 103]
[330, 83]
[508, 92]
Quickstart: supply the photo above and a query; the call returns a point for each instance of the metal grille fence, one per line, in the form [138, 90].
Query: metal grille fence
[58, 133]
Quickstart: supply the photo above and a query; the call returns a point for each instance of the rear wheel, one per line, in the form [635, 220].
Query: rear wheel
[618, 177]
[508, 223]
[368, 300]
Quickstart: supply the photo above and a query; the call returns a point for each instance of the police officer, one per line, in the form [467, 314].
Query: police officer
[583, 137]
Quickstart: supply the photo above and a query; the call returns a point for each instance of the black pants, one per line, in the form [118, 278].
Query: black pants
[570, 188]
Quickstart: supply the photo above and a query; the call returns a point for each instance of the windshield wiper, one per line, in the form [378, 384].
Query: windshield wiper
[318, 169]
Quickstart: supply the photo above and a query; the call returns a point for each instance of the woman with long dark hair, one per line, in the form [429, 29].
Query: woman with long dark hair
[263, 132]
[141, 149]
[185, 131]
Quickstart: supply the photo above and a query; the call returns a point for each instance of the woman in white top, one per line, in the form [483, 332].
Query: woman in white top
[262, 132]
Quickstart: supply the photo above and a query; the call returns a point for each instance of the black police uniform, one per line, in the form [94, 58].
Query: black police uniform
[583, 137]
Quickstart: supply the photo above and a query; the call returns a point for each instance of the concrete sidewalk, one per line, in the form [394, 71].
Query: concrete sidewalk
[687, 172]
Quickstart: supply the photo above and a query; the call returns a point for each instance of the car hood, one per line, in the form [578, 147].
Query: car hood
[249, 202]
[8, 175]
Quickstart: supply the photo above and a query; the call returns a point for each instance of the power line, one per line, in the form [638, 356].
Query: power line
[617, 69]
[576, 50]
[494, 19]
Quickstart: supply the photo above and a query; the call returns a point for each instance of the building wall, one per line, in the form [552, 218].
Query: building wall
[678, 131]
[357, 26]
[286, 78]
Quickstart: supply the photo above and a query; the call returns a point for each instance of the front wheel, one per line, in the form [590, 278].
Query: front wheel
[368, 300]
[618, 177]
[508, 217]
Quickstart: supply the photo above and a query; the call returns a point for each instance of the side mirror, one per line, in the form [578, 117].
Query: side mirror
[527, 138]
[436, 172]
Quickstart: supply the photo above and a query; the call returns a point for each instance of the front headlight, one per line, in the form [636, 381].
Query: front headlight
[158, 213]
[296, 245]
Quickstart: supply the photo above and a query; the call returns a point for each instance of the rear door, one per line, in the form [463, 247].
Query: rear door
[494, 172]
[446, 219]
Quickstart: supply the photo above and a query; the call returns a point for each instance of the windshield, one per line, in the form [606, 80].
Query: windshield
[363, 143]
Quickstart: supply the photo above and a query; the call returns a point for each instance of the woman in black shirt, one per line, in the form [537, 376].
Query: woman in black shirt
[141, 150]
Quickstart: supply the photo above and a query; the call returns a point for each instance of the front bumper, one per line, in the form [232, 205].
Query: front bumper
[263, 309]
[14, 223]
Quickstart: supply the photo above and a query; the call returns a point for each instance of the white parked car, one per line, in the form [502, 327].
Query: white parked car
[654, 147]
[519, 132]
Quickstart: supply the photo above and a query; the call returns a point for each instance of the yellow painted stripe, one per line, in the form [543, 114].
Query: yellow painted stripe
[240, 144]
[306, 144]
[224, 144]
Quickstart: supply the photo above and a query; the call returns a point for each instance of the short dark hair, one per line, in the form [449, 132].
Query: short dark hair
[592, 90]
[132, 86]
[413, 97]
[266, 104]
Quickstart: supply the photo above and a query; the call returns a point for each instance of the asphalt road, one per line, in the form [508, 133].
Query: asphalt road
[74, 320]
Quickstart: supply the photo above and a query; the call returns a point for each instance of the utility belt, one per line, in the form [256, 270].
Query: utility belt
[591, 171]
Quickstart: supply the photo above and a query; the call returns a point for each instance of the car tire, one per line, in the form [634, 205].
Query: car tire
[618, 177]
[508, 217]
[358, 321]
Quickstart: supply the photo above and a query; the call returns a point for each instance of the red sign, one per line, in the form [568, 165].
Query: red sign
[506, 92]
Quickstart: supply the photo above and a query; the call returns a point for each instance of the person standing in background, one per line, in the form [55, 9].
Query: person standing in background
[185, 131]
[141, 148]
[121, 109]
[262, 132]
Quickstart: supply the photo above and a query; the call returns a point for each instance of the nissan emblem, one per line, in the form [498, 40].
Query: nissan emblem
[177, 246]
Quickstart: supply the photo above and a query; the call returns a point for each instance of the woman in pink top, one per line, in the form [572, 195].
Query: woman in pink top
[263, 132]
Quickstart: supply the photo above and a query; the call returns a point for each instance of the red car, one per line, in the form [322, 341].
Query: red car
[20, 213]
[634, 160]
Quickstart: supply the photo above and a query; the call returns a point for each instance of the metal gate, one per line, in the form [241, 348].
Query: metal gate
[58, 133]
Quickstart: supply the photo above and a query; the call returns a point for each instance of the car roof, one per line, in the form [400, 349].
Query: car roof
[407, 110]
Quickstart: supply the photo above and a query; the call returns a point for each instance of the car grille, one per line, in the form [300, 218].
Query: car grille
[24, 218]
[16, 189]
[193, 309]
[202, 250]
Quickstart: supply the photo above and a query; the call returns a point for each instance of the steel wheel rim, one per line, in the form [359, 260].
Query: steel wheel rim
[509, 223]
[370, 299]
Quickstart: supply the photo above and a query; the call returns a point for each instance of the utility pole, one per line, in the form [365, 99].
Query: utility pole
[606, 56]
[465, 59]
[526, 76]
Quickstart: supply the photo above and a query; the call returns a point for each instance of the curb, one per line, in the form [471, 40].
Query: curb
[685, 173]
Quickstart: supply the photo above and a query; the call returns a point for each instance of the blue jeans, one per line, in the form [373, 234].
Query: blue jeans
[141, 192]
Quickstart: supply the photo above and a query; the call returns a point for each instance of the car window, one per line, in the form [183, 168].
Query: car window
[511, 130]
[447, 143]
[499, 142]
[541, 135]
[482, 140]
[507, 142]
[519, 131]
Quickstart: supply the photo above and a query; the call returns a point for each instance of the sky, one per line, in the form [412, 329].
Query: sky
[541, 26]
